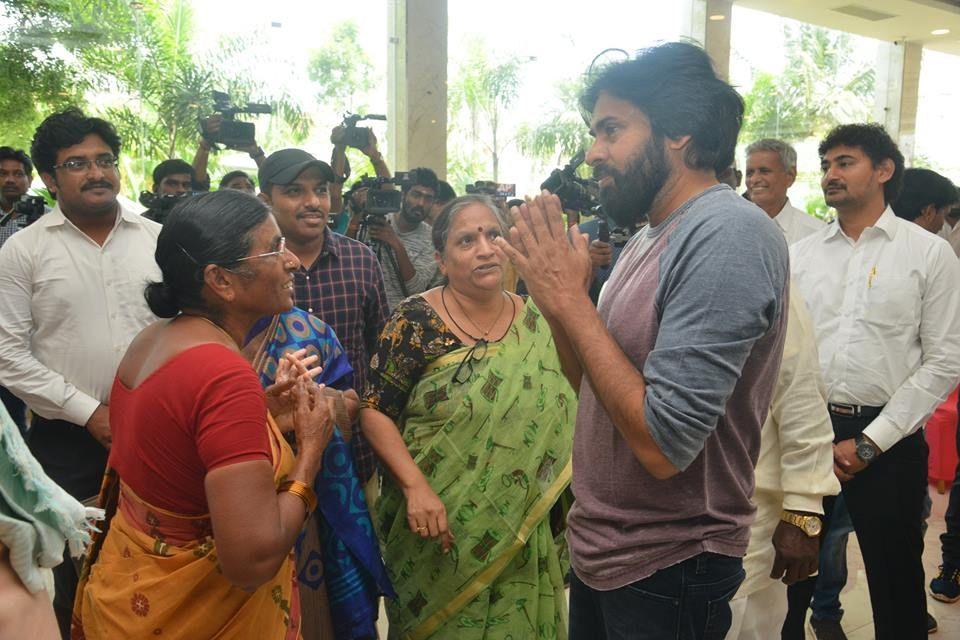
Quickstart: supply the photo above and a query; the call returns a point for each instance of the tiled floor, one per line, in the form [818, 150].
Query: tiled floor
[857, 620]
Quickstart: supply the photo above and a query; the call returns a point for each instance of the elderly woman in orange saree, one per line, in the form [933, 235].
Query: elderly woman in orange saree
[204, 497]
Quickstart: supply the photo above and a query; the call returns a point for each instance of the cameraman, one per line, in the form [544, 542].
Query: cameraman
[238, 181]
[16, 173]
[172, 177]
[209, 128]
[351, 210]
[406, 248]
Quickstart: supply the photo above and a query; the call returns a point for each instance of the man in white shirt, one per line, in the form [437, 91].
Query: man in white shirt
[71, 300]
[794, 473]
[882, 293]
[771, 170]
[950, 231]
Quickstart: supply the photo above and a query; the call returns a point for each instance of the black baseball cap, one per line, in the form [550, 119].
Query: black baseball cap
[283, 167]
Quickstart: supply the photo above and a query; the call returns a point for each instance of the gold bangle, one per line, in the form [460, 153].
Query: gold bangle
[303, 491]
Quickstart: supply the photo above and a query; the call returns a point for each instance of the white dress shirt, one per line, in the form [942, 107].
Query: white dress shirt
[951, 235]
[796, 224]
[69, 308]
[886, 310]
[795, 467]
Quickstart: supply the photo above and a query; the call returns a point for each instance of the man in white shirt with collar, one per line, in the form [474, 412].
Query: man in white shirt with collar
[71, 300]
[771, 170]
[882, 293]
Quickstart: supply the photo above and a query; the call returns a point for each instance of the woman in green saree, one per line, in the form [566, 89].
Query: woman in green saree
[469, 411]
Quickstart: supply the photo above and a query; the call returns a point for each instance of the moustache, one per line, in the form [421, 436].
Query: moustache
[97, 185]
[834, 185]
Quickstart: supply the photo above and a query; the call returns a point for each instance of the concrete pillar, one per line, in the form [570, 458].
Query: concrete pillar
[709, 22]
[417, 84]
[898, 92]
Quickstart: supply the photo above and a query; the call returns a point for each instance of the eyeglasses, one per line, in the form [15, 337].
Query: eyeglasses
[465, 371]
[82, 166]
[281, 249]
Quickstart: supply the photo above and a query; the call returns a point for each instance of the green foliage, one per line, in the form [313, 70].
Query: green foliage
[562, 134]
[482, 91]
[341, 69]
[130, 62]
[820, 88]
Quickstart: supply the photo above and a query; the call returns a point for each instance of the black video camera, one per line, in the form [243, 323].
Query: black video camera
[233, 133]
[617, 236]
[160, 206]
[575, 193]
[30, 207]
[354, 136]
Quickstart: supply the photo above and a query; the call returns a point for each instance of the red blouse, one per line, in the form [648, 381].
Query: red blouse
[202, 409]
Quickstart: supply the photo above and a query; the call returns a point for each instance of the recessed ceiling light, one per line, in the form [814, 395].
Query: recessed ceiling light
[940, 32]
[717, 17]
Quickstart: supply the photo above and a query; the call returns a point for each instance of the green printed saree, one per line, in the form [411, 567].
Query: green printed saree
[496, 449]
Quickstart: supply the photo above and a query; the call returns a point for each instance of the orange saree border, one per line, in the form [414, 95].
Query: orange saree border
[155, 574]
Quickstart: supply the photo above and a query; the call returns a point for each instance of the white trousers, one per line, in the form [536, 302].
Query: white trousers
[760, 615]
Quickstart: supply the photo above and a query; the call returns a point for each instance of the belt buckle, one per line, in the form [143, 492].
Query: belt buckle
[845, 409]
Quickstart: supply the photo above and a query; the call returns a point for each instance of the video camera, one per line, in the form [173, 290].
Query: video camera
[575, 193]
[381, 201]
[617, 236]
[30, 207]
[499, 191]
[354, 136]
[161, 205]
[234, 133]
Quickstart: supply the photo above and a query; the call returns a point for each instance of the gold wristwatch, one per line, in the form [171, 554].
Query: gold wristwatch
[810, 525]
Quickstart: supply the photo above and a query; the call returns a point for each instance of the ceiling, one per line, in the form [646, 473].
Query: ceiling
[891, 20]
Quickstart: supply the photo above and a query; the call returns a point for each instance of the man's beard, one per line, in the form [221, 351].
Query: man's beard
[413, 215]
[628, 199]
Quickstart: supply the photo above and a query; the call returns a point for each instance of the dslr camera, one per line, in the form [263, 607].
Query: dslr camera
[29, 207]
[575, 193]
[354, 136]
[234, 133]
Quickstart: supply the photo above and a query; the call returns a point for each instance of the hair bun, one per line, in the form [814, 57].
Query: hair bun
[161, 299]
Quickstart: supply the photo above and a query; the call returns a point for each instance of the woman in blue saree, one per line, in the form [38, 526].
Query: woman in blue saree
[340, 571]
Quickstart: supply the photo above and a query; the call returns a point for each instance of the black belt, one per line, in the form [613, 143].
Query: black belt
[853, 410]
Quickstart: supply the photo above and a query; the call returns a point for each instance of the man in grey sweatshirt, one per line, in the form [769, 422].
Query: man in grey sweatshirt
[677, 364]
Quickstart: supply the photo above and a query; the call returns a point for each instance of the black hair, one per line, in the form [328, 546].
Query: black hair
[675, 86]
[923, 187]
[211, 228]
[171, 168]
[445, 192]
[441, 226]
[874, 141]
[226, 179]
[18, 155]
[424, 177]
[65, 129]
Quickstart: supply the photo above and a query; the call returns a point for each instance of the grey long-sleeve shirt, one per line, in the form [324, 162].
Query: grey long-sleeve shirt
[698, 304]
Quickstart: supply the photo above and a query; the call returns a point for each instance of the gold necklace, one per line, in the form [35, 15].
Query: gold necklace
[213, 324]
[457, 324]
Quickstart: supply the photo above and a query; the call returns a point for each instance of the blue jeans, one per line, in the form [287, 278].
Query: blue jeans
[833, 564]
[687, 601]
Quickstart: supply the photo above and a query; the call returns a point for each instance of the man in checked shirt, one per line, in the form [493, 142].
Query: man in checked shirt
[340, 280]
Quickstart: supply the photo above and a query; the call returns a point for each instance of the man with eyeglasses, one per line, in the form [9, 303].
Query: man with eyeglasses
[71, 301]
[405, 246]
